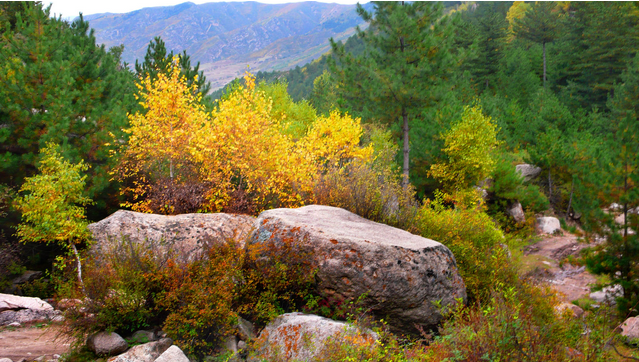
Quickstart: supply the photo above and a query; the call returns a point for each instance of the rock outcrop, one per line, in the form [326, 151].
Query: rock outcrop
[548, 224]
[10, 301]
[302, 337]
[528, 172]
[630, 328]
[516, 212]
[17, 309]
[185, 236]
[172, 354]
[402, 275]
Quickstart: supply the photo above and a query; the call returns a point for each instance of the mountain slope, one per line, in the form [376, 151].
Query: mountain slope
[225, 37]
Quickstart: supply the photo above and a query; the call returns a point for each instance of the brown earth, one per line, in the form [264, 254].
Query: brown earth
[543, 262]
[31, 342]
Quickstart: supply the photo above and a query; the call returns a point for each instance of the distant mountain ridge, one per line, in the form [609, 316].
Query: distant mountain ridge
[225, 37]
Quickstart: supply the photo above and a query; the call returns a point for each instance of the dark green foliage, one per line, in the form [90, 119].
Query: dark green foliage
[157, 60]
[59, 86]
[508, 187]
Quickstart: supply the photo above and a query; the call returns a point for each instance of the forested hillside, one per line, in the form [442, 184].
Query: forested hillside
[417, 122]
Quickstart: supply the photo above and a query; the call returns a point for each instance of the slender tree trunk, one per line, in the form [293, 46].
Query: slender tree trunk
[77, 256]
[543, 45]
[406, 148]
[572, 189]
[549, 186]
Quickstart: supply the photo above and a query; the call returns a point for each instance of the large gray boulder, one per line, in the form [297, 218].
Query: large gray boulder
[630, 328]
[516, 212]
[10, 301]
[147, 352]
[528, 172]
[303, 337]
[403, 276]
[184, 237]
[106, 343]
[23, 316]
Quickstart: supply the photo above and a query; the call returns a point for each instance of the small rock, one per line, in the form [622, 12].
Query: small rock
[14, 324]
[241, 345]
[548, 224]
[575, 310]
[615, 207]
[5, 360]
[172, 354]
[147, 352]
[528, 172]
[40, 359]
[516, 212]
[230, 343]
[64, 304]
[245, 329]
[630, 328]
[26, 316]
[607, 294]
[108, 344]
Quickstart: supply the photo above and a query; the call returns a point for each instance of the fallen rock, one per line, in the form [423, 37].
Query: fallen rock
[185, 236]
[303, 337]
[548, 224]
[516, 211]
[147, 352]
[23, 316]
[5, 360]
[172, 354]
[527, 171]
[106, 344]
[10, 301]
[245, 329]
[575, 310]
[607, 294]
[630, 328]
[403, 275]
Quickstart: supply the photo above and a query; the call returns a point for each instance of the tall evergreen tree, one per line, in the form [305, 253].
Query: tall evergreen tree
[158, 60]
[58, 86]
[406, 58]
[540, 25]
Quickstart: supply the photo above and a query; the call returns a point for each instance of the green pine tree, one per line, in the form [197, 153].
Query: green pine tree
[407, 57]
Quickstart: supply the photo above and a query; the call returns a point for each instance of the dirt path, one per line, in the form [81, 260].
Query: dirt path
[543, 258]
[31, 342]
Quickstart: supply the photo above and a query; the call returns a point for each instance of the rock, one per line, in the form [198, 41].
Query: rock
[10, 301]
[302, 337]
[140, 337]
[106, 344]
[172, 354]
[27, 276]
[230, 343]
[517, 212]
[64, 304]
[403, 275]
[241, 345]
[615, 207]
[14, 324]
[607, 294]
[186, 236]
[630, 328]
[40, 359]
[147, 352]
[23, 316]
[528, 172]
[575, 310]
[245, 329]
[574, 354]
[548, 224]
[5, 360]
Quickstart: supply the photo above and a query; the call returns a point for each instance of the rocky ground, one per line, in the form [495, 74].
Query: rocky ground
[31, 342]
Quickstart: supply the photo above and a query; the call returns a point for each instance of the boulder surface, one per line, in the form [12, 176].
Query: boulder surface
[173, 354]
[517, 212]
[147, 352]
[186, 236]
[302, 337]
[630, 328]
[548, 224]
[402, 275]
[107, 344]
[528, 172]
[10, 301]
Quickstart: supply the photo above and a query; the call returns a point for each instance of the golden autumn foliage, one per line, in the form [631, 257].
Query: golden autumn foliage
[238, 151]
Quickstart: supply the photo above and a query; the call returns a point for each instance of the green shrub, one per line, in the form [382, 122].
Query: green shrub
[475, 241]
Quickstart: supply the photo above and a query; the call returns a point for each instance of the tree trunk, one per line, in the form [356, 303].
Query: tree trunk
[549, 186]
[543, 45]
[77, 256]
[406, 148]
[572, 189]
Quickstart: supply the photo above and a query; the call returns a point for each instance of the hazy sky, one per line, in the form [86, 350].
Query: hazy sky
[71, 8]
